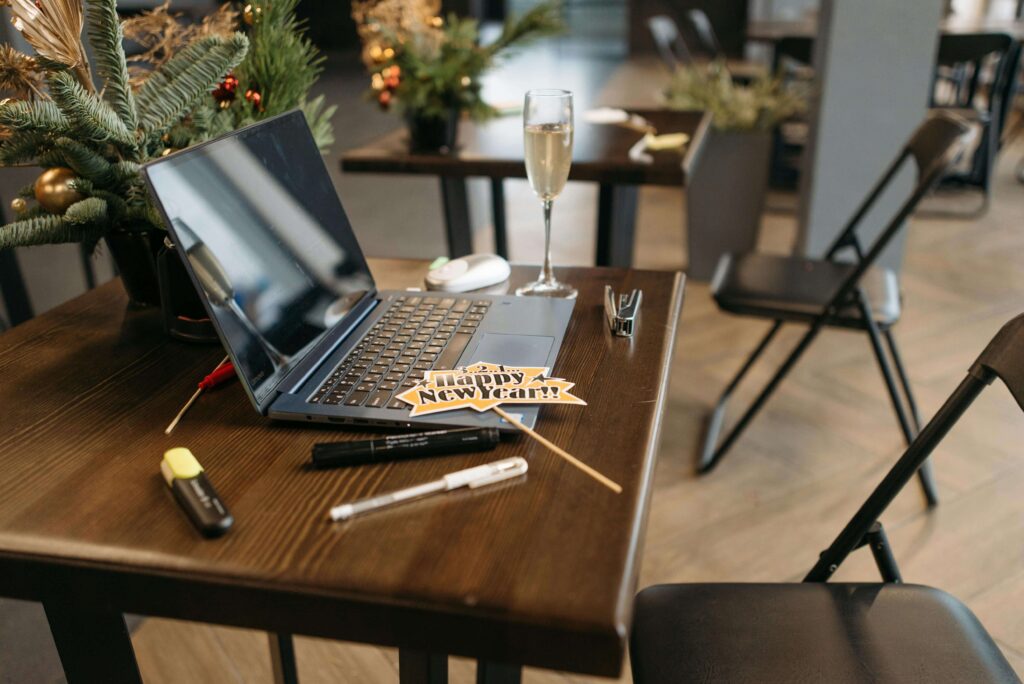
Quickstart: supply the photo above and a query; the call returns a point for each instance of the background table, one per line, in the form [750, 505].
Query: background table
[773, 31]
[494, 149]
[540, 571]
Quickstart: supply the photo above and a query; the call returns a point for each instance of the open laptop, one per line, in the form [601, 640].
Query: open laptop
[267, 243]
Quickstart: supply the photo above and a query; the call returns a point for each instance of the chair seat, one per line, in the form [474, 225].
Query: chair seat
[798, 289]
[819, 632]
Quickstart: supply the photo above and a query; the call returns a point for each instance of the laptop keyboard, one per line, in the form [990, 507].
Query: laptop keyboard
[415, 334]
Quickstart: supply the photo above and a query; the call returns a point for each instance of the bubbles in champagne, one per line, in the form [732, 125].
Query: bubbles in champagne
[548, 157]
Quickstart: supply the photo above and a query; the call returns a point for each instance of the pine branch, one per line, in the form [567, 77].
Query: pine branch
[45, 230]
[106, 37]
[22, 147]
[91, 117]
[85, 161]
[319, 119]
[42, 116]
[171, 91]
[92, 211]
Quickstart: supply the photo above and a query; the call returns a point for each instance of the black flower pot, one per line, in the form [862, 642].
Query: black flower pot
[185, 317]
[432, 133]
[134, 253]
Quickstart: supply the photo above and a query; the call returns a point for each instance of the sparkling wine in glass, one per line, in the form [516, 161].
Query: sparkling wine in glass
[547, 141]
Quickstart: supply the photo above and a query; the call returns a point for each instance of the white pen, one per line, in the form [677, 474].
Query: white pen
[470, 477]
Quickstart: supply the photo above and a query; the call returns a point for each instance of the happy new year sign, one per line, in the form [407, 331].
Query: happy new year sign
[483, 386]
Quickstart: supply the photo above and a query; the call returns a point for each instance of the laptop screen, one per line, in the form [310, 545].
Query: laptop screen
[268, 241]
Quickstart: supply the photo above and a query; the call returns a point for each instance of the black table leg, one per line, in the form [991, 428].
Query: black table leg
[456, 216]
[498, 673]
[282, 659]
[616, 224]
[12, 288]
[419, 667]
[92, 640]
[498, 214]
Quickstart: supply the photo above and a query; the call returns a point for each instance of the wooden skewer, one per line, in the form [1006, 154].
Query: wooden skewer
[610, 484]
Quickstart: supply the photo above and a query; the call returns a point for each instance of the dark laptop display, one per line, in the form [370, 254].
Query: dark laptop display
[269, 242]
[265, 239]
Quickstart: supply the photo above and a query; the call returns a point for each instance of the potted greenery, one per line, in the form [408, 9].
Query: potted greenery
[431, 68]
[90, 139]
[726, 194]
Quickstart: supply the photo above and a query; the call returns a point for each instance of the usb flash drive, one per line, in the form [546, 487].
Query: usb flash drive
[194, 492]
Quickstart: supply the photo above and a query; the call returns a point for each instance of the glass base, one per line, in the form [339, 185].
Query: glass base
[547, 288]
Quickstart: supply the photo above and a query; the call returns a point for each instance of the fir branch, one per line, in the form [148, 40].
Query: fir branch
[27, 191]
[541, 20]
[90, 116]
[92, 211]
[44, 230]
[42, 117]
[106, 37]
[171, 91]
[319, 119]
[22, 147]
[85, 161]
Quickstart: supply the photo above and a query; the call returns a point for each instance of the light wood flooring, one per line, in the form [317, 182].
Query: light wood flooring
[823, 441]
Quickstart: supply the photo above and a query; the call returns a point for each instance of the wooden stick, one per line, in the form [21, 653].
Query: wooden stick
[610, 484]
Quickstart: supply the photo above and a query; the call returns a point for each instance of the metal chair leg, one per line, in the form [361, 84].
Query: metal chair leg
[717, 417]
[925, 474]
[904, 379]
[282, 659]
[781, 373]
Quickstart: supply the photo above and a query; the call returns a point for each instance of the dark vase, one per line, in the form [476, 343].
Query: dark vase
[432, 133]
[185, 317]
[135, 253]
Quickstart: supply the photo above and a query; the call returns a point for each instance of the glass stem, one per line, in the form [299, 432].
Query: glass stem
[547, 276]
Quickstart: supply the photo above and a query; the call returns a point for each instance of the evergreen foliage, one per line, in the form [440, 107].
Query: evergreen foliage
[281, 67]
[105, 138]
[433, 67]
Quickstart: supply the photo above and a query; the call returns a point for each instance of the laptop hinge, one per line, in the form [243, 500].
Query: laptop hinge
[320, 353]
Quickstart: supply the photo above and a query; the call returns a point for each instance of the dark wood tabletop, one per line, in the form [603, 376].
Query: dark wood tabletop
[540, 571]
[495, 149]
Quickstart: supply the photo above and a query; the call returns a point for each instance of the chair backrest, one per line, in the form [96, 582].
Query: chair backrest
[707, 44]
[1003, 358]
[669, 42]
[800, 50]
[966, 55]
[934, 147]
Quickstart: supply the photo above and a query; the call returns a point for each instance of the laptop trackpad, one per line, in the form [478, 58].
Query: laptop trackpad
[511, 350]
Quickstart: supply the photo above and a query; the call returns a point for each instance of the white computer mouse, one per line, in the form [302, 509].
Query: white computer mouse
[468, 273]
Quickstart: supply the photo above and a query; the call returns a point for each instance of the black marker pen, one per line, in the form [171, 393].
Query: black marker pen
[400, 447]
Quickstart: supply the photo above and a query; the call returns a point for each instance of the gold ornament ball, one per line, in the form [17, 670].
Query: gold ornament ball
[251, 14]
[18, 204]
[52, 190]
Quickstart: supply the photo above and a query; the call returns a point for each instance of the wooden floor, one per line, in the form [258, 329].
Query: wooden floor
[803, 466]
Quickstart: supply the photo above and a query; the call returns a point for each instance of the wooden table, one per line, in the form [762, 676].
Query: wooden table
[494, 150]
[537, 572]
[775, 31]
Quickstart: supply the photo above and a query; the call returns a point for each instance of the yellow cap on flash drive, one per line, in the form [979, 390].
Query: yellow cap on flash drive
[179, 463]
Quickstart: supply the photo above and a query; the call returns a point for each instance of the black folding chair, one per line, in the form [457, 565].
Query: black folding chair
[830, 292]
[815, 631]
[962, 63]
[706, 43]
[669, 42]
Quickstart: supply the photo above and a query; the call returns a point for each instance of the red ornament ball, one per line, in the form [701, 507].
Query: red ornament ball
[254, 97]
[384, 99]
[224, 93]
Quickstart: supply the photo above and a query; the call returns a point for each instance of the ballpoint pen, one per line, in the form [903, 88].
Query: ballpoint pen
[478, 476]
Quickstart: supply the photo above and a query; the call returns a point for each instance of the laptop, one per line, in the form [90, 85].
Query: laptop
[269, 248]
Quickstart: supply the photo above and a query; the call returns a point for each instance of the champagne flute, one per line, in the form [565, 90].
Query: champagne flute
[547, 139]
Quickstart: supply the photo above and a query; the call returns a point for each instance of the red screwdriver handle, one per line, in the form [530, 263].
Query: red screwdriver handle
[218, 377]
